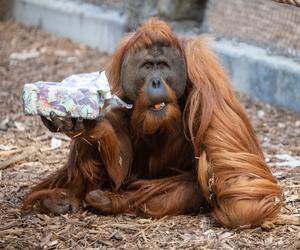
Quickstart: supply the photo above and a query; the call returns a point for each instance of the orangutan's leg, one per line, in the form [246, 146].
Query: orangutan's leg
[155, 198]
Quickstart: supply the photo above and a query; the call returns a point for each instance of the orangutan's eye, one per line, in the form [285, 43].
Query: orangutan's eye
[147, 65]
[162, 65]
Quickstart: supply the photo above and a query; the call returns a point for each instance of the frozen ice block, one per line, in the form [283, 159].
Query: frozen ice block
[82, 95]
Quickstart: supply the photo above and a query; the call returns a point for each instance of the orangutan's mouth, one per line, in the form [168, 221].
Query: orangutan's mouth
[158, 107]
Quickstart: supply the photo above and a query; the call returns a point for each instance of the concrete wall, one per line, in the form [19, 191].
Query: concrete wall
[266, 23]
[187, 14]
[272, 79]
[95, 26]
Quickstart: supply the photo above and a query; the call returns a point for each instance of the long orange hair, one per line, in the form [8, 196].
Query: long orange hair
[232, 172]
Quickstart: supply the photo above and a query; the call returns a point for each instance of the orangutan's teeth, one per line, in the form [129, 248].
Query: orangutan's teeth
[162, 105]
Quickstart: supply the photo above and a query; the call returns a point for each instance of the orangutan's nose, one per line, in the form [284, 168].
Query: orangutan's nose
[156, 82]
[156, 90]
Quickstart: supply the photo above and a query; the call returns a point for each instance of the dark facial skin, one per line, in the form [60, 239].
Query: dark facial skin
[154, 67]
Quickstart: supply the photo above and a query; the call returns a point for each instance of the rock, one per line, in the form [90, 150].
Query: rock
[55, 143]
[261, 114]
[268, 241]
[20, 126]
[181, 10]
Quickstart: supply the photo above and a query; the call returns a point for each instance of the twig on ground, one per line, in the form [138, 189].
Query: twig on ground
[9, 225]
[41, 138]
[285, 219]
[10, 152]
[26, 153]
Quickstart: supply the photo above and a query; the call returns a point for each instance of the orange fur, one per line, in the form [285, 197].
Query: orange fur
[206, 151]
[232, 172]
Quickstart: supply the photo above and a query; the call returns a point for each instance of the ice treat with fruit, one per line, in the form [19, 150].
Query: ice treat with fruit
[85, 95]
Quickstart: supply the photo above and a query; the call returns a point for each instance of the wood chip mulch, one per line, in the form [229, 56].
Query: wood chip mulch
[28, 152]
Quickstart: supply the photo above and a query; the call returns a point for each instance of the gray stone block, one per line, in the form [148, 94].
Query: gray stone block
[86, 23]
[272, 79]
